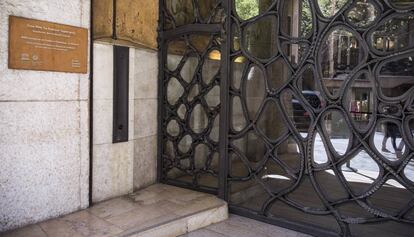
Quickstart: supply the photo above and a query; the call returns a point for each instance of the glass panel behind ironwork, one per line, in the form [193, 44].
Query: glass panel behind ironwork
[320, 106]
[322, 114]
[191, 112]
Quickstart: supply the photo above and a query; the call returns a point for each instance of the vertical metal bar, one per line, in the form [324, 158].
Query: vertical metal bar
[162, 54]
[91, 104]
[121, 94]
[224, 100]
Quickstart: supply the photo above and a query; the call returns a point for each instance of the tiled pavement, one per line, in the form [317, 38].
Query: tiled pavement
[237, 226]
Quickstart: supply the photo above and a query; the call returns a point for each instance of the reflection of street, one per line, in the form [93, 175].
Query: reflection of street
[362, 162]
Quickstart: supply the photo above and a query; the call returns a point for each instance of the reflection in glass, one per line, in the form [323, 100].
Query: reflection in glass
[213, 97]
[211, 66]
[403, 3]
[278, 73]
[252, 147]
[199, 42]
[206, 8]
[201, 152]
[337, 130]
[176, 50]
[259, 37]
[255, 90]
[411, 127]
[185, 144]
[297, 25]
[182, 111]
[388, 140]
[189, 68]
[363, 14]
[396, 202]
[319, 151]
[360, 101]
[295, 52]
[247, 9]
[275, 177]
[360, 172]
[215, 130]
[409, 170]
[181, 10]
[397, 76]
[173, 128]
[307, 85]
[330, 8]
[331, 185]
[174, 91]
[193, 93]
[394, 34]
[339, 55]
[169, 149]
[206, 178]
[269, 122]
[288, 153]
[237, 72]
[235, 44]
[238, 121]
[198, 119]
[206, 159]
[237, 167]
[298, 115]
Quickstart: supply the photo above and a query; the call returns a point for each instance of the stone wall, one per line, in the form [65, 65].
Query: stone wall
[44, 121]
[122, 167]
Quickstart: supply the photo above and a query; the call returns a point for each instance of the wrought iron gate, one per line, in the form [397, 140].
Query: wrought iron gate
[297, 112]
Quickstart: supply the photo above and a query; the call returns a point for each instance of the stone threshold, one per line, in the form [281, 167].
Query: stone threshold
[158, 210]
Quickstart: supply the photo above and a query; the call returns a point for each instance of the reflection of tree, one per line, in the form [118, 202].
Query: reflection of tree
[306, 18]
[394, 34]
[247, 8]
[330, 7]
[181, 10]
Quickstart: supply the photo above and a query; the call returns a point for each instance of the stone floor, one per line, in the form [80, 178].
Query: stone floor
[159, 210]
[237, 226]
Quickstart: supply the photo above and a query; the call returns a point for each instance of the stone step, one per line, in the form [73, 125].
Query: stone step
[159, 210]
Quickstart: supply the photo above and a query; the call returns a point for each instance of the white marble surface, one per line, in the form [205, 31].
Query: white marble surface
[44, 139]
[159, 210]
[142, 122]
[112, 170]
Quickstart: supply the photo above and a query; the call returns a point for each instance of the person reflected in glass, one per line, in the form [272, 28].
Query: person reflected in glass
[390, 131]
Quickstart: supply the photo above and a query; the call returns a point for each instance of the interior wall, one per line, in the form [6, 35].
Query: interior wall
[44, 126]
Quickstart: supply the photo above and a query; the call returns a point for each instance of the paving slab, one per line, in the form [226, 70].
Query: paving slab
[237, 226]
[159, 210]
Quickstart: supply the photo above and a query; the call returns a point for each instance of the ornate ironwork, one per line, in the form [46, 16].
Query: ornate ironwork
[312, 94]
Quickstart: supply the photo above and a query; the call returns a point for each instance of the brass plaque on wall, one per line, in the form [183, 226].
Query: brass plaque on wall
[46, 46]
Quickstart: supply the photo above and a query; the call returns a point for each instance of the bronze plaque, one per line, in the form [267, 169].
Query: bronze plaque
[46, 46]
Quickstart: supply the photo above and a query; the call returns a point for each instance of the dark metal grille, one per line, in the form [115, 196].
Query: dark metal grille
[315, 100]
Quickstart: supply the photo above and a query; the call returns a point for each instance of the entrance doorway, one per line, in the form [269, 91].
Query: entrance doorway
[297, 112]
